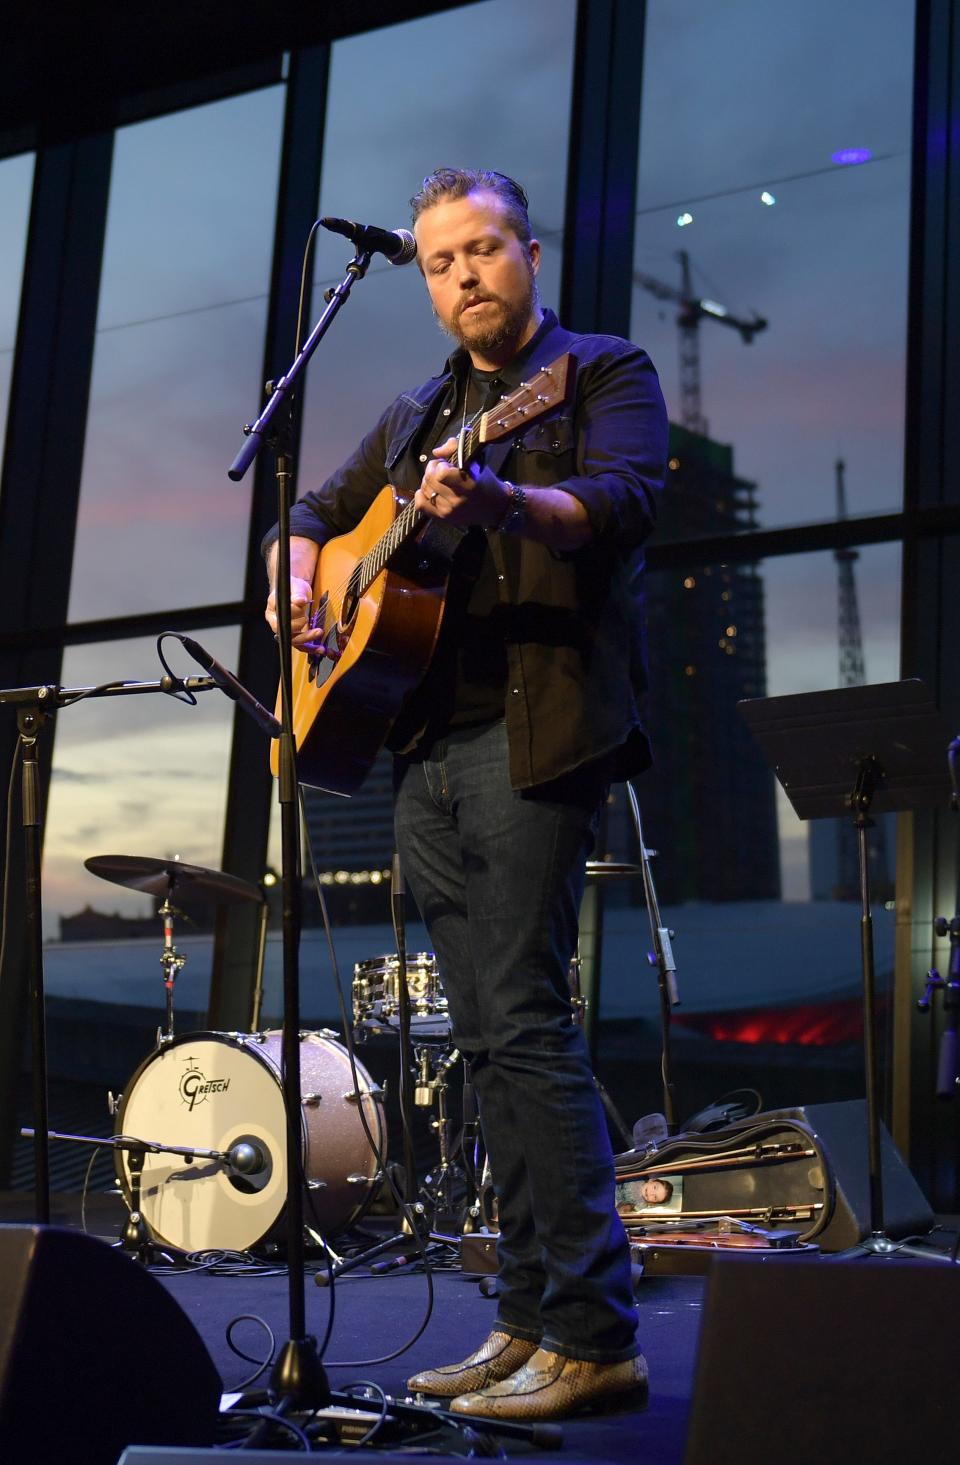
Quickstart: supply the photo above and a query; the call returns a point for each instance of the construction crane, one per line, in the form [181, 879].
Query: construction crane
[853, 673]
[692, 311]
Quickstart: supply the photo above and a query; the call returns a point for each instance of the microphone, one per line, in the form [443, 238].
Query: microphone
[228, 683]
[246, 1158]
[398, 245]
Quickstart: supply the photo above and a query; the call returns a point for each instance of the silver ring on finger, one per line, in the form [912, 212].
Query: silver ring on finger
[433, 497]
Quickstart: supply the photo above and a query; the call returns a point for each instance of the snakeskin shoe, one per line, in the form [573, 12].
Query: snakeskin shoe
[496, 1358]
[551, 1386]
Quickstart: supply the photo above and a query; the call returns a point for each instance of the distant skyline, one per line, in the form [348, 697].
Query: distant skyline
[735, 96]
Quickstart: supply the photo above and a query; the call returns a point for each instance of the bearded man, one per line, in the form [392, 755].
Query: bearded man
[504, 757]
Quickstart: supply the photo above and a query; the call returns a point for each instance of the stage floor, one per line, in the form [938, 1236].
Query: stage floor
[376, 1316]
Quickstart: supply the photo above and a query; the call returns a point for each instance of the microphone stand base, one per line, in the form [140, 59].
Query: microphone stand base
[298, 1375]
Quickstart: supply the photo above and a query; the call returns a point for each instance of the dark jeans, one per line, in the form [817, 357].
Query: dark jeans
[498, 876]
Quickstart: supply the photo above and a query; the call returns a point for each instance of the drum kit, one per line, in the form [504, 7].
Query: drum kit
[199, 1141]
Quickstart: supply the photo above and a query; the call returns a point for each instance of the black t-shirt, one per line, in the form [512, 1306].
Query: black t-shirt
[467, 681]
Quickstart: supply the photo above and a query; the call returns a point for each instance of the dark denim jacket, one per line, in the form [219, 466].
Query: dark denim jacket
[575, 637]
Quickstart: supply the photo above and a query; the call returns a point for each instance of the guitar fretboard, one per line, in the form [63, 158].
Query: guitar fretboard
[407, 522]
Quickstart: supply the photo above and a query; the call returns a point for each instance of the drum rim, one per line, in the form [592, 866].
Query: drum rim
[388, 959]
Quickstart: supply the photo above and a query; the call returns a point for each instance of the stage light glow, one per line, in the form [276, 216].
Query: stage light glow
[712, 308]
[767, 198]
[850, 157]
[683, 220]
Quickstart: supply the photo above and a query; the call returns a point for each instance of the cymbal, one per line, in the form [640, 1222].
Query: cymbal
[160, 877]
[609, 869]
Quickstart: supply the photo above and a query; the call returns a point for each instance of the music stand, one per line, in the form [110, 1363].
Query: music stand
[848, 752]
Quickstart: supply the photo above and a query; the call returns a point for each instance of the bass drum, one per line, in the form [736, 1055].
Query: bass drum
[218, 1090]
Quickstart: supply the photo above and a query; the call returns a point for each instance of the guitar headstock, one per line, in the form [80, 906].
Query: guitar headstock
[529, 401]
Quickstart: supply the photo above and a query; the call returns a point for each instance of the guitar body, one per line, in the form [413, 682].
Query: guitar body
[381, 641]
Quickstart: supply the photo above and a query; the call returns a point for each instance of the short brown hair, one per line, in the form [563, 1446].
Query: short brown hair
[445, 183]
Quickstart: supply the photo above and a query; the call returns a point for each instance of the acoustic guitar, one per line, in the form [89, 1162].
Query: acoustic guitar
[378, 600]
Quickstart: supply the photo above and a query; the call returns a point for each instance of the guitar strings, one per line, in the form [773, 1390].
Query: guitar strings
[366, 569]
[369, 566]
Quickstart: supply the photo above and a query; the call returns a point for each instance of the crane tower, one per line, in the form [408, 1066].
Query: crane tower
[853, 674]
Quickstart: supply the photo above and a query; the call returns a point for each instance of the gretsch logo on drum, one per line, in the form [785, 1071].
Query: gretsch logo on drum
[195, 1087]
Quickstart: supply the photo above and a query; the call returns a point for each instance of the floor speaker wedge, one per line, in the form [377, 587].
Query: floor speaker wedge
[841, 1129]
[94, 1354]
[824, 1362]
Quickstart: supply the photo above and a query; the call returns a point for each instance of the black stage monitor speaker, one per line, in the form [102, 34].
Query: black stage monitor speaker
[94, 1354]
[826, 1362]
[842, 1131]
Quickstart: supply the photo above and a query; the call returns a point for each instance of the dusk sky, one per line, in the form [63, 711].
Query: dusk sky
[748, 96]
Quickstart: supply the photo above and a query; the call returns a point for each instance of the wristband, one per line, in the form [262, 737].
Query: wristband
[515, 517]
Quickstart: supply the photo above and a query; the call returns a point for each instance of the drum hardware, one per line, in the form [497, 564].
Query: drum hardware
[577, 1000]
[163, 878]
[438, 1187]
[352, 1097]
[171, 963]
[611, 869]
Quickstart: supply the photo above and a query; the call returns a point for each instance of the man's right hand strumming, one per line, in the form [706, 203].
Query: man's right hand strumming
[304, 554]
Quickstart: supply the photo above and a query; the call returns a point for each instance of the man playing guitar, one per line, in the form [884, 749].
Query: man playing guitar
[505, 750]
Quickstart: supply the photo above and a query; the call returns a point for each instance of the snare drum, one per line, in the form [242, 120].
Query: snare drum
[376, 996]
[218, 1090]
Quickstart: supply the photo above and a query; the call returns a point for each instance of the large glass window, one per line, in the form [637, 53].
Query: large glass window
[178, 355]
[16, 180]
[775, 161]
[771, 291]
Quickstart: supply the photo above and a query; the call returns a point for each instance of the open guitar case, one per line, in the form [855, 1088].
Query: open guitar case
[788, 1176]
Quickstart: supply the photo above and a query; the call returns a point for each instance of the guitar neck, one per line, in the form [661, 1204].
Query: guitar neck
[410, 518]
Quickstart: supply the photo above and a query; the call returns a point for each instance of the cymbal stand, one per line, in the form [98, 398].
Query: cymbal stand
[172, 962]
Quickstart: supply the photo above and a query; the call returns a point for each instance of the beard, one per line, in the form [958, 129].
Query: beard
[497, 327]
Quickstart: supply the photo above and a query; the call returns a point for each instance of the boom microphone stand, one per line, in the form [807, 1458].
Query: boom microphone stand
[298, 1375]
